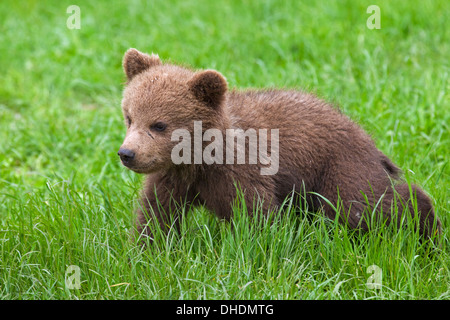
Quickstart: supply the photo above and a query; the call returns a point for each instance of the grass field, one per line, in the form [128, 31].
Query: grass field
[66, 200]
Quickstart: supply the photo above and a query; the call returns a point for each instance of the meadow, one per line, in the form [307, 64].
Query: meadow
[65, 199]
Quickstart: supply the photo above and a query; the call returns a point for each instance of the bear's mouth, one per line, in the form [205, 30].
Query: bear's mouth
[141, 169]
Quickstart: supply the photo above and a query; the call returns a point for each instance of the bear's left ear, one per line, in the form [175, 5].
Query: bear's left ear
[209, 86]
[135, 62]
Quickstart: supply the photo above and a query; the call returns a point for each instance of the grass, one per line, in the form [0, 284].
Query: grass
[65, 199]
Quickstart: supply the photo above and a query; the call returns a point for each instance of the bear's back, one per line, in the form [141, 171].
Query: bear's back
[300, 117]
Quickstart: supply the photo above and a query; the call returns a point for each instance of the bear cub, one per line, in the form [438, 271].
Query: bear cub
[196, 141]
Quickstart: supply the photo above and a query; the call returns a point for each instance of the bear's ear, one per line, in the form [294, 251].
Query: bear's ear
[208, 86]
[135, 62]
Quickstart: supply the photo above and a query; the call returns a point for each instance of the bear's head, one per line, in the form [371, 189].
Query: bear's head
[160, 98]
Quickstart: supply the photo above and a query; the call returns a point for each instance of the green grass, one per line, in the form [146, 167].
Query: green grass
[65, 199]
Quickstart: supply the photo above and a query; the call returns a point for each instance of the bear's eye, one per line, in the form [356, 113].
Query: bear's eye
[159, 126]
[128, 121]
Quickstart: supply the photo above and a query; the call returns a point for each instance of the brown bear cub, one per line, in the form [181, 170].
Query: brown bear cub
[197, 141]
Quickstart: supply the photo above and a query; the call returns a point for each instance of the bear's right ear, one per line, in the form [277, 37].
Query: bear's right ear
[135, 62]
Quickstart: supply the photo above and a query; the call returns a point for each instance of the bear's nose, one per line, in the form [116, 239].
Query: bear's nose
[126, 155]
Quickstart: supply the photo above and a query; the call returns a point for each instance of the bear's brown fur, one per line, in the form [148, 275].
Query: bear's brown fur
[321, 151]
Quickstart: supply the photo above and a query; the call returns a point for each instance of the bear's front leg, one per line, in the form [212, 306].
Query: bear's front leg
[162, 202]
